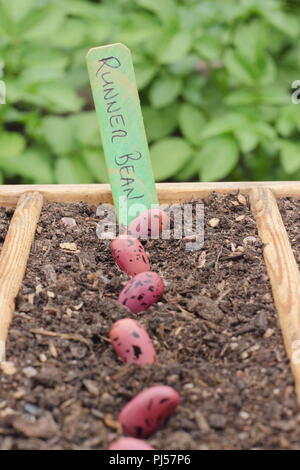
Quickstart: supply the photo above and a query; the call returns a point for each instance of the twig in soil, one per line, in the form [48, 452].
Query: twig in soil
[211, 324]
[244, 330]
[105, 339]
[217, 260]
[222, 295]
[183, 310]
[234, 256]
[111, 423]
[123, 372]
[70, 336]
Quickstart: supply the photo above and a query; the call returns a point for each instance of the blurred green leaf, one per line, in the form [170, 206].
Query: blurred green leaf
[85, 128]
[160, 122]
[42, 22]
[228, 123]
[11, 144]
[290, 156]
[165, 9]
[58, 134]
[95, 161]
[287, 120]
[238, 68]
[174, 46]
[168, 156]
[71, 35]
[58, 96]
[16, 9]
[191, 168]
[164, 91]
[218, 157]
[247, 137]
[72, 171]
[144, 73]
[33, 165]
[138, 28]
[191, 122]
[208, 47]
[287, 23]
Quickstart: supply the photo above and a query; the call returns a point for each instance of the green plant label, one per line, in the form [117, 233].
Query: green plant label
[122, 130]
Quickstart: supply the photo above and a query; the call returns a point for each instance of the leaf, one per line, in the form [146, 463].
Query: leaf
[290, 156]
[274, 94]
[70, 34]
[242, 97]
[222, 125]
[43, 57]
[164, 91]
[16, 9]
[144, 73]
[72, 171]
[138, 28]
[42, 22]
[191, 122]
[95, 161]
[194, 89]
[250, 40]
[185, 66]
[286, 23]
[265, 130]
[164, 9]
[168, 156]
[247, 138]
[85, 128]
[59, 97]
[218, 157]
[37, 74]
[173, 47]
[190, 170]
[58, 134]
[208, 47]
[11, 144]
[33, 165]
[7, 26]
[287, 119]
[160, 123]
[238, 68]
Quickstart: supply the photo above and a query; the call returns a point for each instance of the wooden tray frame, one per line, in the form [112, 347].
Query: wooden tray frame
[280, 262]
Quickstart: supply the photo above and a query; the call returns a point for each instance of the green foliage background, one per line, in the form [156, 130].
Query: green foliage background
[214, 78]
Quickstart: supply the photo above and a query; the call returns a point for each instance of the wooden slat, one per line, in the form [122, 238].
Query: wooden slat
[14, 257]
[167, 192]
[283, 272]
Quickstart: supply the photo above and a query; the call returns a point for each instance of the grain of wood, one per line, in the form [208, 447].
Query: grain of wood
[283, 272]
[167, 192]
[14, 257]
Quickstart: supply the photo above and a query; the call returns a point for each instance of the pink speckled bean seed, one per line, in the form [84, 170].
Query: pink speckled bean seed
[130, 255]
[142, 291]
[149, 224]
[148, 410]
[129, 443]
[131, 342]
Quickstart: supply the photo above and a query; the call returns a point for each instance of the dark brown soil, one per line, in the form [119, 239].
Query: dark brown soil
[290, 211]
[215, 331]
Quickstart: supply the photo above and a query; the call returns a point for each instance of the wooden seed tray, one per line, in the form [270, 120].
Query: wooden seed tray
[279, 258]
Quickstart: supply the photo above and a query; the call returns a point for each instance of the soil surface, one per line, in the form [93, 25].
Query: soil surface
[215, 331]
[290, 212]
